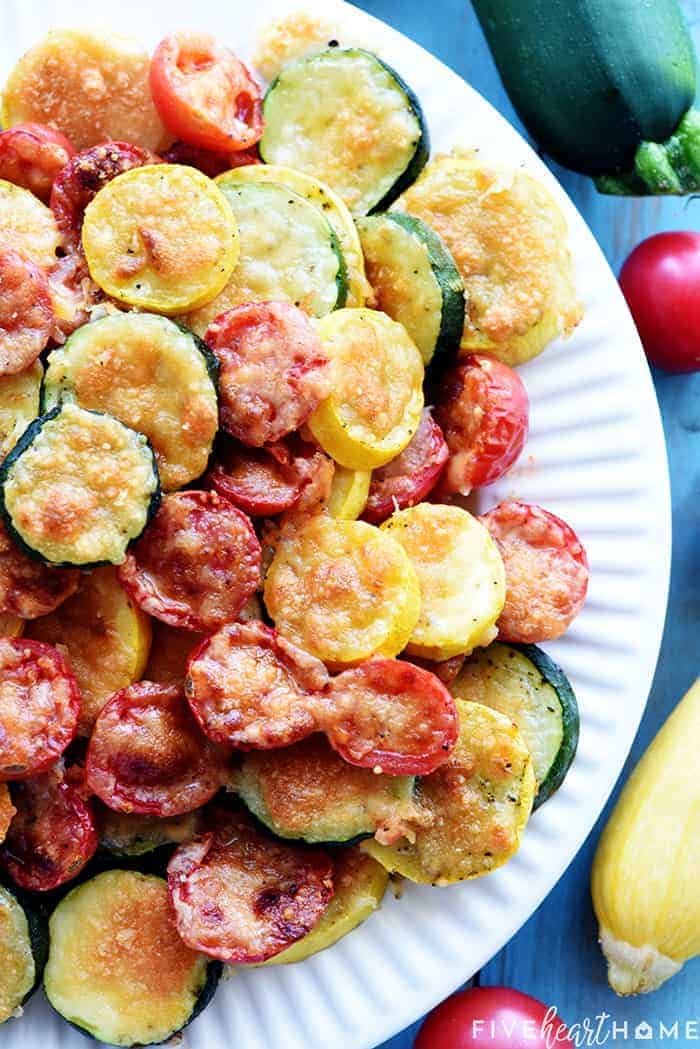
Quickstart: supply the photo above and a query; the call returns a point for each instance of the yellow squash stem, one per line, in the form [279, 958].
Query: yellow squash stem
[646, 870]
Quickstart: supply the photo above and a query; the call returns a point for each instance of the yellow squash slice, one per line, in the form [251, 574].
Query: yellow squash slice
[342, 590]
[480, 801]
[349, 492]
[461, 576]
[28, 226]
[92, 86]
[377, 396]
[107, 639]
[161, 237]
[509, 241]
[19, 405]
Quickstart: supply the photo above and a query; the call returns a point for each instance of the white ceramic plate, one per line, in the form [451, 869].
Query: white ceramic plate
[596, 457]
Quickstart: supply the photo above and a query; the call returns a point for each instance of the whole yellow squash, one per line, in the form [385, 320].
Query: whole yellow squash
[646, 872]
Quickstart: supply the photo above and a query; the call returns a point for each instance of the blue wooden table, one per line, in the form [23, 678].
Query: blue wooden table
[555, 956]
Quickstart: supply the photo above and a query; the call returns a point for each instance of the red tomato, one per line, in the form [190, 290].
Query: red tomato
[26, 311]
[546, 571]
[204, 95]
[408, 478]
[482, 407]
[31, 155]
[661, 282]
[497, 1017]
[207, 161]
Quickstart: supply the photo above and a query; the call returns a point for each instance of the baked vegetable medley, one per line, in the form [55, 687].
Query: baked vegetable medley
[256, 652]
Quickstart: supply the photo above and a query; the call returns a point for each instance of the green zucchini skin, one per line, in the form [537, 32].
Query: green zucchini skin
[670, 167]
[593, 79]
[421, 145]
[555, 676]
[27, 438]
[443, 273]
[38, 928]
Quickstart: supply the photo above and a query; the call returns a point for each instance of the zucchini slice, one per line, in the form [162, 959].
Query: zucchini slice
[414, 280]
[19, 405]
[133, 834]
[153, 376]
[328, 202]
[23, 948]
[78, 487]
[308, 792]
[360, 883]
[522, 682]
[289, 252]
[117, 968]
[348, 118]
[480, 801]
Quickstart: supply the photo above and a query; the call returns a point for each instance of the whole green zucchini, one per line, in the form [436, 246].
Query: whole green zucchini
[604, 86]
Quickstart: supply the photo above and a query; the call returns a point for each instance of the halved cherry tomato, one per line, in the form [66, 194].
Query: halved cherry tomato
[251, 689]
[196, 564]
[241, 896]
[28, 588]
[52, 835]
[390, 716]
[204, 94]
[26, 311]
[493, 1017]
[73, 292]
[86, 174]
[410, 476]
[273, 370]
[268, 480]
[546, 572]
[208, 161]
[446, 669]
[661, 282]
[39, 707]
[148, 755]
[482, 407]
[31, 155]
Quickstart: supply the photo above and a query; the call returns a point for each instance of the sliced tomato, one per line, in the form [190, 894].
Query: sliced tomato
[273, 370]
[391, 716]
[28, 588]
[52, 835]
[74, 293]
[251, 689]
[31, 155]
[196, 564]
[208, 161]
[148, 755]
[483, 408]
[546, 572]
[408, 478]
[446, 669]
[204, 94]
[26, 311]
[266, 481]
[39, 707]
[85, 175]
[241, 896]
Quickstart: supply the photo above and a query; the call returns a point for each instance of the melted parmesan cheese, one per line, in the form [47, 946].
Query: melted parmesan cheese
[480, 801]
[19, 405]
[161, 237]
[461, 576]
[293, 36]
[287, 254]
[377, 389]
[342, 590]
[117, 967]
[148, 373]
[92, 86]
[328, 202]
[28, 225]
[82, 489]
[509, 241]
[16, 959]
[343, 117]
